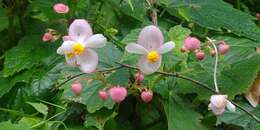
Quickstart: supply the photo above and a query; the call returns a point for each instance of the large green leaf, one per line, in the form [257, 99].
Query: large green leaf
[89, 96]
[39, 107]
[180, 116]
[241, 118]
[216, 14]
[9, 126]
[29, 52]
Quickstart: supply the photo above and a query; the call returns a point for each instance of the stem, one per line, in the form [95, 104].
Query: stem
[216, 64]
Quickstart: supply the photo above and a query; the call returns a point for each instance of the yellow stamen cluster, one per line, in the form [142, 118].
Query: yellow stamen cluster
[152, 56]
[78, 48]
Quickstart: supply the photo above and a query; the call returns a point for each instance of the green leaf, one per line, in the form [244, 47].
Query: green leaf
[39, 107]
[89, 96]
[131, 37]
[3, 19]
[99, 119]
[29, 52]
[240, 118]
[108, 55]
[119, 77]
[9, 126]
[178, 34]
[217, 14]
[180, 116]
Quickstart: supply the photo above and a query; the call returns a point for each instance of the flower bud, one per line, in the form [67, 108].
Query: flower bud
[76, 88]
[147, 96]
[223, 48]
[218, 104]
[117, 94]
[200, 55]
[61, 8]
[139, 77]
[47, 37]
[103, 95]
[212, 52]
[192, 43]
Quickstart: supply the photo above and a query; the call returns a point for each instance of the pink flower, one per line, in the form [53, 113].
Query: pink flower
[77, 47]
[61, 8]
[218, 104]
[150, 45]
[47, 37]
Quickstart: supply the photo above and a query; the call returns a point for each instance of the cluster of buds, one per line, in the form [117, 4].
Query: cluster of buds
[50, 35]
[192, 44]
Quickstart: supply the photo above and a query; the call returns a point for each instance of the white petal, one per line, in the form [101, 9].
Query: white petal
[96, 41]
[148, 68]
[231, 107]
[88, 61]
[71, 61]
[135, 48]
[80, 30]
[66, 47]
[151, 38]
[168, 46]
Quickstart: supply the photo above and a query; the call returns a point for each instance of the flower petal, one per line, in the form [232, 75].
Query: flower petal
[231, 107]
[148, 68]
[66, 47]
[80, 30]
[150, 38]
[168, 46]
[96, 41]
[88, 61]
[71, 61]
[135, 48]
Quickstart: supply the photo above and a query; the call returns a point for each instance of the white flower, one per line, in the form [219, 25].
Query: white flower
[218, 104]
[77, 46]
[150, 45]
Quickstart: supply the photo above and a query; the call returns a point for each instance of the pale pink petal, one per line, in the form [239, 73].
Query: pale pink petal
[168, 46]
[71, 61]
[80, 30]
[66, 38]
[135, 48]
[148, 68]
[66, 47]
[231, 106]
[150, 38]
[96, 41]
[88, 61]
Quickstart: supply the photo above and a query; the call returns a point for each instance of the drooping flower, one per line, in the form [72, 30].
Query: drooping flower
[218, 103]
[150, 45]
[77, 46]
[61, 8]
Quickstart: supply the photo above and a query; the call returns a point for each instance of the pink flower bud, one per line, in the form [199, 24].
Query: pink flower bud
[200, 55]
[223, 48]
[218, 104]
[76, 88]
[103, 95]
[147, 96]
[192, 43]
[61, 8]
[139, 77]
[212, 52]
[47, 37]
[117, 94]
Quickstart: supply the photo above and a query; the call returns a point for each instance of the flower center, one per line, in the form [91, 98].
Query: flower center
[78, 48]
[70, 55]
[152, 56]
